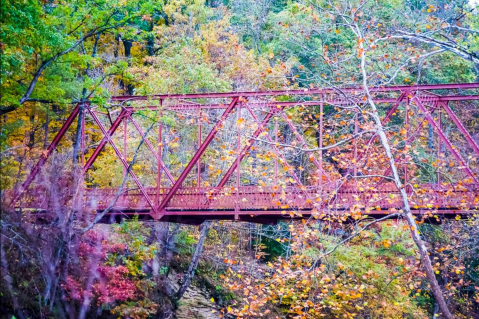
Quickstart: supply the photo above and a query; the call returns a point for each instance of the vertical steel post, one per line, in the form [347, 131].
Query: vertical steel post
[160, 154]
[238, 159]
[82, 138]
[321, 111]
[125, 133]
[150, 147]
[276, 157]
[406, 142]
[439, 124]
[355, 143]
[198, 178]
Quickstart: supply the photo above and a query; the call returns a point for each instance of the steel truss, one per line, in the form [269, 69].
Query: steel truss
[195, 204]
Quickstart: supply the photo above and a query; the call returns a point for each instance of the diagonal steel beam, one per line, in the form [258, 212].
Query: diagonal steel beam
[276, 151]
[461, 127]
[303, 142]
[104, 140]
[53, 145]
[446, 140]
[197, 156]
[122, 159]
[245, 150]
[408, 141]
[385, 120]
[147, 142]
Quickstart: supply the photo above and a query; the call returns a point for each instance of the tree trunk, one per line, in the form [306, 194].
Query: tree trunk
[425, 260]
[194, 260]
[31, 138]
[127, 44]
[46, 128]
[76, 145]
[150, 40]
[9, 282]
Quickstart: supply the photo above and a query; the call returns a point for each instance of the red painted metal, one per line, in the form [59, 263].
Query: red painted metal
[104, 140]
[334, 91]
[269, 203]
[275, 147]
[320, 144]
[82, 143]
[197, 155]
[122, 159]
[406, 123]
[238, 161]
[160, 155]
[150, 147]
[386, 118]
[276, 143]
[409, 139]
[46, 154]
[461, 127]
[446, 141]
[438, 151]
[198, 177]
[333, 101]
[125, 144]
[195, 203]
[245, 149]
[356, 131]
[304, 144]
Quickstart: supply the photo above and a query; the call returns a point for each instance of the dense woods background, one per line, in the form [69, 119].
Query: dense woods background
[57, 53]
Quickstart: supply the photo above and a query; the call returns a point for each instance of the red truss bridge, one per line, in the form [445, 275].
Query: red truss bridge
[264, 156]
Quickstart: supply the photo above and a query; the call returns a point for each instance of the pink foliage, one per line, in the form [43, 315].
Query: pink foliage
[74, 288]
[114, 284]
[111, 283]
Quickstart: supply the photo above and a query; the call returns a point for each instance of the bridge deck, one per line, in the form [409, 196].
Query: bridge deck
[268, 204]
